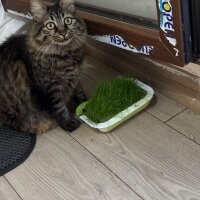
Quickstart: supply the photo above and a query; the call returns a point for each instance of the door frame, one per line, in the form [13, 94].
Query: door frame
[166, 43]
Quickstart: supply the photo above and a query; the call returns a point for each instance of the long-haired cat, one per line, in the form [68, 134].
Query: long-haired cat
[40, 71]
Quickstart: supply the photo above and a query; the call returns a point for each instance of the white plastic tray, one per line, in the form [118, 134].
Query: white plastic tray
[122, 116]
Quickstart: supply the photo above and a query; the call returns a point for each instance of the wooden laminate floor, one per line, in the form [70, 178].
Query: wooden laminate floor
[153, 156]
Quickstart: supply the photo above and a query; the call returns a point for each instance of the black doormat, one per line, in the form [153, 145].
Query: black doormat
[15, 147]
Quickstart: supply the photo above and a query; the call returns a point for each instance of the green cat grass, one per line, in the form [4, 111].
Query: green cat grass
[110, 98]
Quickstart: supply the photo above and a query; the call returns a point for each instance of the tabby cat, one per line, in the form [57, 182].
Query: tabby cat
[40, 70]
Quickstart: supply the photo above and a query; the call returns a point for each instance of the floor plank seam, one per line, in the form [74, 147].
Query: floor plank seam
[175, 116]
[107, 167]
[120, 72]
[13, 188]
[88, 76]
[176, 130]
[109, 66]
[183, 134]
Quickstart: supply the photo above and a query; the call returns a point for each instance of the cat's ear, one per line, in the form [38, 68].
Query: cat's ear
[38, 9]
[67, 5]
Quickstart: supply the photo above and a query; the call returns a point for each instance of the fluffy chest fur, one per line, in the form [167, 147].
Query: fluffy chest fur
[63, 68]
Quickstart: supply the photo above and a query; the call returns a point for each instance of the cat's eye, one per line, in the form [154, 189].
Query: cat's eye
[50, 25]
[68, 21]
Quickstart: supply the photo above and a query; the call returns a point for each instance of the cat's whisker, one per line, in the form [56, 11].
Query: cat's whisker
[43, 50]
[87, 43]
[40, 52]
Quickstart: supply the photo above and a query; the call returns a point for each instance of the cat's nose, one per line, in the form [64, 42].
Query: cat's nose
[63, 34]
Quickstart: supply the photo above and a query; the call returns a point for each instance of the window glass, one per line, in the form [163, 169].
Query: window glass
[139, 8]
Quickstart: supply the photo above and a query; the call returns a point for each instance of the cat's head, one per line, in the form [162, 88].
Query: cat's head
[57, 23]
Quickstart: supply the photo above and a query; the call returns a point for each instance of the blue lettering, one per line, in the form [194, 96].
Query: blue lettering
[169, 17]
[124, 44]
[140, 49]
[146, 50]
[119, 42]
[113, 39]
[168, 25]
[169, 35]
[150, 48]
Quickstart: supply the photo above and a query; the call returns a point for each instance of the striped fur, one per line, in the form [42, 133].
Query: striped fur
[40, 71]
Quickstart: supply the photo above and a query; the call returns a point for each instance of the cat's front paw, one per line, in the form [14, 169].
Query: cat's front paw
[84, 98]
[80, 99]
[72, 125]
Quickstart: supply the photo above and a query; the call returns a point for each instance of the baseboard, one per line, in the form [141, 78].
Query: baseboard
[180, 84]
